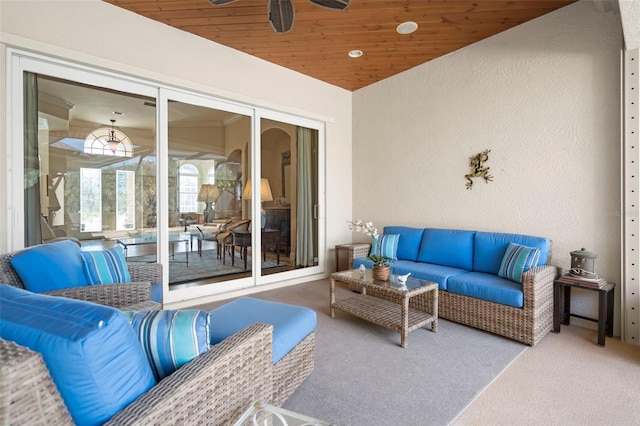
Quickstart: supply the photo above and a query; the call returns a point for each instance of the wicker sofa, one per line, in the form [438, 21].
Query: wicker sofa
[465, 265]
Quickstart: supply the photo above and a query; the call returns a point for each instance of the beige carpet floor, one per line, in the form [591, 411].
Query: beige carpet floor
[565, 380]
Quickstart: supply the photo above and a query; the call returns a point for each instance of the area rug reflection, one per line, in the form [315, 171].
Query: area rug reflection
[201, 267]
[363, 377]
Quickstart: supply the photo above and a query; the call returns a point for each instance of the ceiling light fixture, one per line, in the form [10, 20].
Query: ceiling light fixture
[112, 141]
[355, 53]
[407, 27]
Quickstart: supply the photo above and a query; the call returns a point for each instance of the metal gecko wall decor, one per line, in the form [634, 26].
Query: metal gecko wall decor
[477, 168]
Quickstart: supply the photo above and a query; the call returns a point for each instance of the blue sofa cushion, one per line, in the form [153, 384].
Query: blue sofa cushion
[387, 244]
[52, 266]
[90, 350]
[490, 247]
[447, 247]
[105, 266]
[518, 259]
[291, 324]
[427, 271]
[171, 338]
[409, 241]
[487, 287]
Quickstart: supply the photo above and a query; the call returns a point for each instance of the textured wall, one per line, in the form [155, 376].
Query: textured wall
[544, 97]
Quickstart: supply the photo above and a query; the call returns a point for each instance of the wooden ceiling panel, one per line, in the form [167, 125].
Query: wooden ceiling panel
[320, 39]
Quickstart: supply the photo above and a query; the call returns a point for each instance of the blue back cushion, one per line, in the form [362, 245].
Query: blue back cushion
[490, 247]
[106, 266]
[408, 242]
[90, 350]
[448, 247]
[291, 323]
[51, 266]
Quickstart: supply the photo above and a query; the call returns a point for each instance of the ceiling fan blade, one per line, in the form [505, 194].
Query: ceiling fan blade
[332, 4]
[220, 2]
[281, 15]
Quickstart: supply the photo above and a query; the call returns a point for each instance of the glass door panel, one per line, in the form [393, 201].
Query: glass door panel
[289, 168]
[95, 174]
[208, 226]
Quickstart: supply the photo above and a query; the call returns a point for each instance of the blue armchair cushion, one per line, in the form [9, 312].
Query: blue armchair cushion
[291, 323]
[106, 266]
[447, 247]
[52, 266]
[90, 350]
[171, 338]
[385, 245]
[517, 260]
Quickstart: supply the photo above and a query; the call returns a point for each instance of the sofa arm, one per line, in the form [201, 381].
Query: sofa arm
[214, 388]
[116, 295]
[537, 285]
[151, 272]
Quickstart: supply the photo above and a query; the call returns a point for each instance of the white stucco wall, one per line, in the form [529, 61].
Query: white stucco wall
[544, 97]
[105, 36]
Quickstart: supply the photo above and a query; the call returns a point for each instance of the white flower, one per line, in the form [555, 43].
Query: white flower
[364, 227]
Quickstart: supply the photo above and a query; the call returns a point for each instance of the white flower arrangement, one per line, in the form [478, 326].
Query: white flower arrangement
[370, 230]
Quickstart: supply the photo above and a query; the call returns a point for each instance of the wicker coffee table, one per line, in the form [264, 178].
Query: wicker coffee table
[388, 303]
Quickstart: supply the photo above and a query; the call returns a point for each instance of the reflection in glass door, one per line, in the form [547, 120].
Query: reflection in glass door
[94, 175]
[289, 169]
[206, 160]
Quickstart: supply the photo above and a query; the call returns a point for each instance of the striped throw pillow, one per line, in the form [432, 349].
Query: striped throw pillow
[106, 266]
[517, 260]
[387, 244]
[171, 338]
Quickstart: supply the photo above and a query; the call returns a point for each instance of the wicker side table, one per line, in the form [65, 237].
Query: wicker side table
[345, 253]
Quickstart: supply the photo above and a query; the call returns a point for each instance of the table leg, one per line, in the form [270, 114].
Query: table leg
[244, 254]
[332, 297]
[404, 321]
[233, 255]
[610, 301]
[602, 316]
[567, 305]
[434, 310]
[557, 310]
[186, 247]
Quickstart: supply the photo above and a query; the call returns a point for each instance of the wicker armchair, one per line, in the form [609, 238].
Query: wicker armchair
[213, 389]
[133, 295]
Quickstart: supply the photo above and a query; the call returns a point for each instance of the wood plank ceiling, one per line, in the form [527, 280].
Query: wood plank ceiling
[320, 40]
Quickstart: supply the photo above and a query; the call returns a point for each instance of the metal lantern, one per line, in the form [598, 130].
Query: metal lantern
[583, 259]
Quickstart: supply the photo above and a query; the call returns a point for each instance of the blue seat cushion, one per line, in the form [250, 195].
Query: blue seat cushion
[291, 324]
[487, 287]
[448, 247]
[52, 266]
[427, 271]
[90, 350]
[409, 241]
[490, 247]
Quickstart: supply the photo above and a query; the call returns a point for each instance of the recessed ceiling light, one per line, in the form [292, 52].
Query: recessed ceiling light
[355, 53]
[407, 27]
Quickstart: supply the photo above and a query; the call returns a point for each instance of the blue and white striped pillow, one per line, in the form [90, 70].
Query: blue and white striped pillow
[388, 244]
[171, 338]
[517, 260]
[106, 266]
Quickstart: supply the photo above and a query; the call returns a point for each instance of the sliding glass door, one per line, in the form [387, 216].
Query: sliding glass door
[165, 174]
[95, 177]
